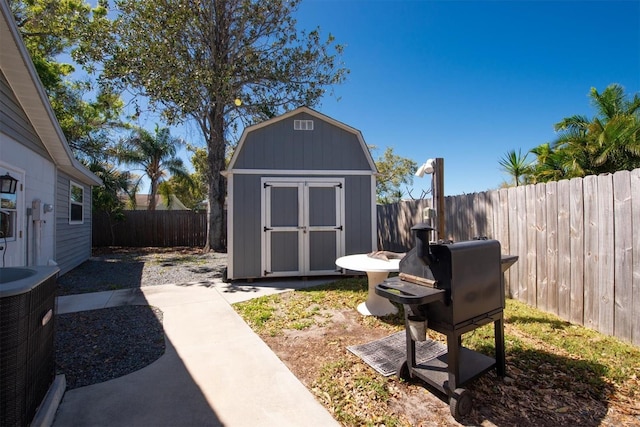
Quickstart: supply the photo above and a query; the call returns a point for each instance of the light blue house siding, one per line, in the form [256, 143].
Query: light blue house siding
[72, 240]
[15, 123]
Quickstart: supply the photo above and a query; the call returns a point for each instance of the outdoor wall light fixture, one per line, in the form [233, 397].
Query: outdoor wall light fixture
[8, 184]
[427, 167]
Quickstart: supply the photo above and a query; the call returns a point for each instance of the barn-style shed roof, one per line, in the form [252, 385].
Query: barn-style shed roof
[370, 164]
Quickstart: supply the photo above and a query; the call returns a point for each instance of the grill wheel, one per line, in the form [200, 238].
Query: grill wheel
[460, 403]
[403, 371]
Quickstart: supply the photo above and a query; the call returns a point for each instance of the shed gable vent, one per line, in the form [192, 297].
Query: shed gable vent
[303, 125]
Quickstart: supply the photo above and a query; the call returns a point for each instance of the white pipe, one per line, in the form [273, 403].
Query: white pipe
[26, 238]
[37, 230]
[37, 246]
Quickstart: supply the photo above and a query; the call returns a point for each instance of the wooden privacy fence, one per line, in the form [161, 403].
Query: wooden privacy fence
[578, 243]
[151, 228]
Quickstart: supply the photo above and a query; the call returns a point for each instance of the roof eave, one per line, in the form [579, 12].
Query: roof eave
[20, 72]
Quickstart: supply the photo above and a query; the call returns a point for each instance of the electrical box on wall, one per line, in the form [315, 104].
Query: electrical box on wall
[36, 206]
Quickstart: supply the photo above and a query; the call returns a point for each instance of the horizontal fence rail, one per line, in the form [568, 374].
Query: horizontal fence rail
[578, 243]
[151, 228]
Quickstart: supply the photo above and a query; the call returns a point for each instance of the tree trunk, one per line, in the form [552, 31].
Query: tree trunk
[216, 230]
[152, 196]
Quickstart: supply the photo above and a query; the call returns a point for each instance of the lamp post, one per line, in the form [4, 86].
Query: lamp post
[435, 167]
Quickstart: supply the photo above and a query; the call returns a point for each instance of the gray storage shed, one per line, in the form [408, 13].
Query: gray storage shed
[301, 192]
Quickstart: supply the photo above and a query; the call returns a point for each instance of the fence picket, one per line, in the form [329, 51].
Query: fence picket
[541, 247]
[623, 255]
[521, 226]
[577, 225]
[514, 243]
[564, 249]
[605, 293]
[551, 199]
[591, 259]
[634, 303]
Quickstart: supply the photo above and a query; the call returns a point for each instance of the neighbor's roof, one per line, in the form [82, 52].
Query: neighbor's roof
[23, 79]
[291, 113]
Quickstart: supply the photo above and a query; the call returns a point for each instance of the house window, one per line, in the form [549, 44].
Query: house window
[8, 215]
[303, 125]
[76, 204]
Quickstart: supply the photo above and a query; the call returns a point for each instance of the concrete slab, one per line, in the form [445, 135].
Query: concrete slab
[82, 302]
[215, 371]
[243, 291]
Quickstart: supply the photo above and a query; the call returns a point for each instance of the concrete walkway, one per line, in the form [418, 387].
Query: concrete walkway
[215, 371]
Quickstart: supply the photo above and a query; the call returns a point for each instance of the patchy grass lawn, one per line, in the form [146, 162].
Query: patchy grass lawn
[558, 373]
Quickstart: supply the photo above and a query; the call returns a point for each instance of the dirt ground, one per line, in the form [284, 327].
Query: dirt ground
[523, 399]
[307, 351]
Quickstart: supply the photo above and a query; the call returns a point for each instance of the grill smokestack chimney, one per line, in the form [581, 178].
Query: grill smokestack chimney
[423, 250]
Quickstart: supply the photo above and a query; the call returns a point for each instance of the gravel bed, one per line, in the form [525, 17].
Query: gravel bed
[98, 345]
[123, 268]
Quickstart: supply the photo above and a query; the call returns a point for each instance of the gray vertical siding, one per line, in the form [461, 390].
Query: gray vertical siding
[246, 226]
[15, 122]
[358, 235]
[72, 241]
[280, 147]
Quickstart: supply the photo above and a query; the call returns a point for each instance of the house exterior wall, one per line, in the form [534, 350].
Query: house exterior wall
[73, 241]
[276, 151]
[23, 155]
[15, 123]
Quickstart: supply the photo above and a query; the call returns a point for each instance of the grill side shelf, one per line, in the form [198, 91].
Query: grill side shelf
[403, 292]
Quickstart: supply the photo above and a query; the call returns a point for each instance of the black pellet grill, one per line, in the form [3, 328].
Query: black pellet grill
[452, 288]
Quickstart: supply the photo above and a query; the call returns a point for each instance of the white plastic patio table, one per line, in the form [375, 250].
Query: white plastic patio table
[377, 270]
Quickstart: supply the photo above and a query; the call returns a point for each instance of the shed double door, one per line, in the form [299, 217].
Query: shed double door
[302, 224]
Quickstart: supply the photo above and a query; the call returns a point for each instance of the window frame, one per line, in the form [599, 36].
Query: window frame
[73, 203]
[10, 216]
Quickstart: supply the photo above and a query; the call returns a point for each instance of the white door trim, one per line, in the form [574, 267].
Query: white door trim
[303, 184]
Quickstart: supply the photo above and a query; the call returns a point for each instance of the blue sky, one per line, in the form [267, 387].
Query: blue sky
[470, 80]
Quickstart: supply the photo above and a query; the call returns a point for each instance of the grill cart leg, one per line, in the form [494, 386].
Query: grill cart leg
[454, 342]
[498, 331]
[410, 362]
[460, 402]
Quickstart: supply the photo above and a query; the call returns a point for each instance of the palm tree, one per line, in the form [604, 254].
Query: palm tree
[608, 142]
[157, 156]
[553, 165]
[516, 165]
[106, 200]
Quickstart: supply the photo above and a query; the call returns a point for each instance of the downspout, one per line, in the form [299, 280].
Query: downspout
[27, 234]
[37, 230]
